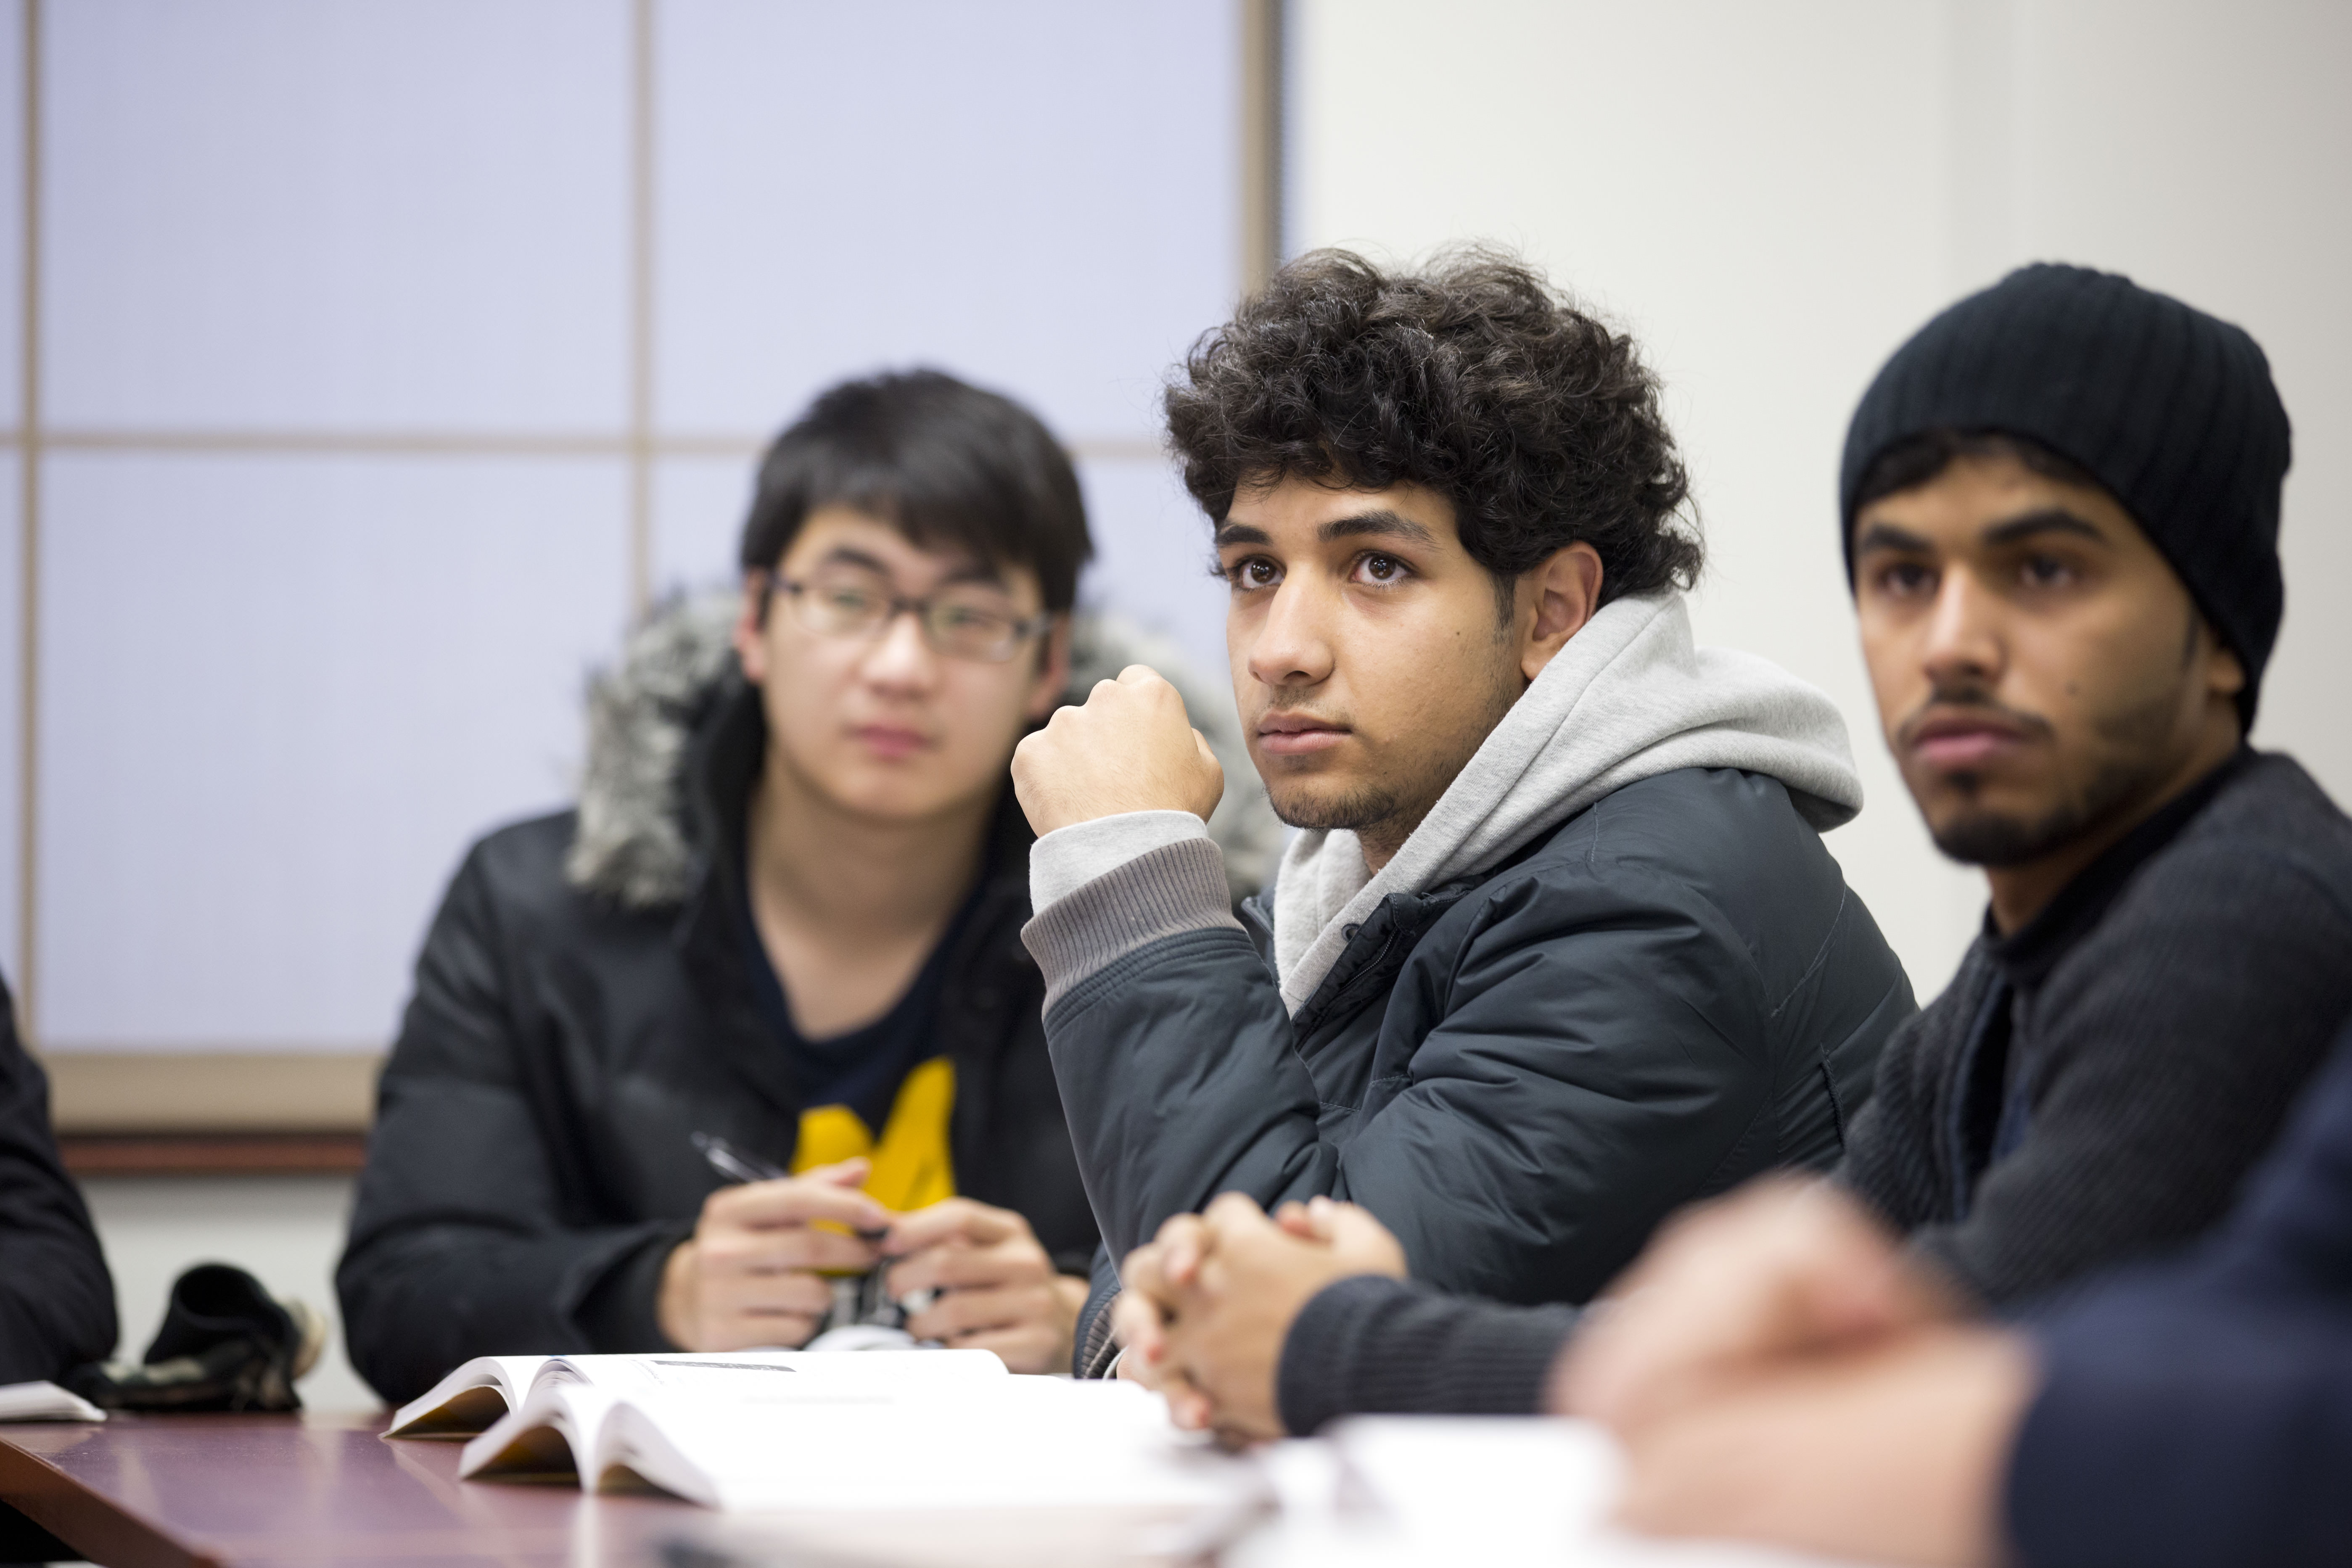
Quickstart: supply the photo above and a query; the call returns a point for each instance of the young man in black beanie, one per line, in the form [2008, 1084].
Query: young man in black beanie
[2061, 510]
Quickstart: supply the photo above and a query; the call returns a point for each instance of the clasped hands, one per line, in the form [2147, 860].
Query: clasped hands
[1774, 1366]
[755, 1270]
[1207, 1304]
[1778, 1368]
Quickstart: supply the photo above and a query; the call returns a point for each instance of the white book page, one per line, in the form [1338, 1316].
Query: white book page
[1387, 1491]
[1022, 1442]
[469, 1400]
[553, 1437]
[44, 1402]
[731, 1375]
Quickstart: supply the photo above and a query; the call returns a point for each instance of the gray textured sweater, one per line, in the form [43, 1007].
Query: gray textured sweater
[2091, 1088]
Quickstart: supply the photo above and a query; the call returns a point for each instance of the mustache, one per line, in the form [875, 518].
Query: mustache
[1969, 700]
[1296, 708]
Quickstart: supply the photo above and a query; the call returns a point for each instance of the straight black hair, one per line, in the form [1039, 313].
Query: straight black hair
[940, 460]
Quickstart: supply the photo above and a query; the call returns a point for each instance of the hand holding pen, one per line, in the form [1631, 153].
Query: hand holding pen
[755, 1270]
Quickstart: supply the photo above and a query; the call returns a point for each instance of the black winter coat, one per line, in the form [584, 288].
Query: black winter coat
[56, 1301]
[1520, 1074]
[530, 1167]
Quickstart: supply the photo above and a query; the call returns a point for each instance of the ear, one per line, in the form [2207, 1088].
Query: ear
[750, 637]
[2225, 676]
[1053, 677]
[1564, 590]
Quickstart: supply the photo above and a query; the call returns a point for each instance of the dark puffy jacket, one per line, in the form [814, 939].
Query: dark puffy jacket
[582, 1009]
[57, 1301]
[531, 1165]
[1520, 1073]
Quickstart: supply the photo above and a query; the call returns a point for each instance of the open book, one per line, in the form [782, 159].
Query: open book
[478, 1394]
[829, 1442]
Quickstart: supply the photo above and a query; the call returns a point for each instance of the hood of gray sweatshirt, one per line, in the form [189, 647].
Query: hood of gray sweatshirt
[1630, 697]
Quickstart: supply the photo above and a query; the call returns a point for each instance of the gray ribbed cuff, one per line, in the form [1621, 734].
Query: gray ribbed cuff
[1177, 888]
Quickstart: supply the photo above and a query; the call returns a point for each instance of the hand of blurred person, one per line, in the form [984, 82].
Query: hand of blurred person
[996, 1286]
[1129, 748]
[749, 1274]
[1893, 1452]
[1211, 1301]
[1781, 1269]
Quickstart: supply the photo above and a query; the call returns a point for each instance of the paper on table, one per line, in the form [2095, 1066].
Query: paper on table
[480, 1392]
[1026, 1442]
[1393, 1490]
[44, 1402]
[830, 1444]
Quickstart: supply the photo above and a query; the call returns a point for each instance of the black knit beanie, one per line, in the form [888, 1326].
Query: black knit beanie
[2169, 409]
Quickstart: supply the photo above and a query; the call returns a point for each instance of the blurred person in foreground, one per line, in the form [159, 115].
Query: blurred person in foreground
[1806, 1381]
[786, 914]
[2060, 507]
[1560, 947]
[57, 1299]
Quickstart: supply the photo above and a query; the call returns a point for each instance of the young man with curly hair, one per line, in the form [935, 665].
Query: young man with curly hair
[1559, 947]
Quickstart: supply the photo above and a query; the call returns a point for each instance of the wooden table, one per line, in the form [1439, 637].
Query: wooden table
[178, 1491]
[260, 1492]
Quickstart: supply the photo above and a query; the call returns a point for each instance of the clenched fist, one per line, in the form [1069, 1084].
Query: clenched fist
[1130, 748]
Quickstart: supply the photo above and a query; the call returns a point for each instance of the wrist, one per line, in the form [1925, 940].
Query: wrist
[1070, 1293]
[674, 1308]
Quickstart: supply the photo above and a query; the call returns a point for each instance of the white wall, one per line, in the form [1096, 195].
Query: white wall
[286, 1232]
[1772, 197]
[388, 352]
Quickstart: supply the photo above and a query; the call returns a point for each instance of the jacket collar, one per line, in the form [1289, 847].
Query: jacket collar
[2026, 957]
[722, 767]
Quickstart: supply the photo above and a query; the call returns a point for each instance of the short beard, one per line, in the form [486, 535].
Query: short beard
[1366, 808]
[1993, 839]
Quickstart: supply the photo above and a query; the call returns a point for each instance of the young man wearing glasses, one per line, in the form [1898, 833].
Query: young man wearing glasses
[784, 925]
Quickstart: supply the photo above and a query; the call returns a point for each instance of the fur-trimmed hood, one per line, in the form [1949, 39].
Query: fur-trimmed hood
[633, 844]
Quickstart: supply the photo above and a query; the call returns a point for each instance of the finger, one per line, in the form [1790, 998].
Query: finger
[782, 1250]
[1183, 1241]
[1360, 1239]
[851, 1172]
[970, 1311]
[808, 1295]
[1235, 1214]
[797, 1200]
[1213, 778]
[1136, 1324]
[1299, 1220]
[954, 1267]
[953, 1218]
[1142, 676]
[1146, 1272]
[1189, 1408]
[788, 1331]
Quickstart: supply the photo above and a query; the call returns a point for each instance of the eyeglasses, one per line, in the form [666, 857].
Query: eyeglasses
[958, 623]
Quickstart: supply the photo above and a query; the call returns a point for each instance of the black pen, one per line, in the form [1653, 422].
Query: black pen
[738, 1166]
[734, 1163]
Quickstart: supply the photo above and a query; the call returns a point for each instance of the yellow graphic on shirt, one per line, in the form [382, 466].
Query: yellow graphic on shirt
[911, 1165]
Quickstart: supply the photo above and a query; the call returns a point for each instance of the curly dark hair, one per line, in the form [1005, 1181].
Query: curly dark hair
[1471, 376]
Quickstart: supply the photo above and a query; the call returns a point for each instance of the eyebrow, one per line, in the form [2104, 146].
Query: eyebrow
[1884, 536]
[970, 571]
[2047, 520]
[1378, 523]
